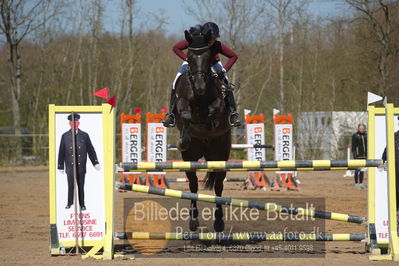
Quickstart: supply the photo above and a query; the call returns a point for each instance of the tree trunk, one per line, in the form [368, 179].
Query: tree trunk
[14, 64]
[382, 71]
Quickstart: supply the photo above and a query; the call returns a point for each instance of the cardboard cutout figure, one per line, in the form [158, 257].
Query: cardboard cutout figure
[66, 161]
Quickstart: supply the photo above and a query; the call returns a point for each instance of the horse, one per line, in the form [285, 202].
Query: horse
[202, 119]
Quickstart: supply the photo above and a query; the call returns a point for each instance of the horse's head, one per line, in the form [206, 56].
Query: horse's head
[199, 59]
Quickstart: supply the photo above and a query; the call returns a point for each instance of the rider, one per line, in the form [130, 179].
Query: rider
[216, 47]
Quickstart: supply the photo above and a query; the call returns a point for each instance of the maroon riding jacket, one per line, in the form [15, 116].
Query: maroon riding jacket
[216, 49]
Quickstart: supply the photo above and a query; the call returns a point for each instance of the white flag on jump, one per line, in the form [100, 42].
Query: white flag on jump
[372, 98]
[247, 112]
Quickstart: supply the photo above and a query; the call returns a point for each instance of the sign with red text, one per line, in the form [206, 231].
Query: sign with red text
[131, 142]
[88, 222]
[283, 143]
[156, 142]
[381, 179]
[256, 136]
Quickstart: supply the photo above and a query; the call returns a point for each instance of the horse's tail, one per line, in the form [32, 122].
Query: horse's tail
[209, 181]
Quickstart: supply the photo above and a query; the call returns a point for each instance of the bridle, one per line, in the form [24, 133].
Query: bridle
[204, 74]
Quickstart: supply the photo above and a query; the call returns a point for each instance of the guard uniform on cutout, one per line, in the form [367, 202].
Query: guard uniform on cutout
[67, 161]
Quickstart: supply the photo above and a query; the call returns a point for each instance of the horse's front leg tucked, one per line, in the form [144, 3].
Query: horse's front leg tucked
[214, 107]
[185, 113]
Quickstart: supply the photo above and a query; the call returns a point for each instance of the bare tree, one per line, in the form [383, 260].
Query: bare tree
[19, 18]
[95, 16]
[281, 14]
[75, 50]
[379, 16]
[128, 11]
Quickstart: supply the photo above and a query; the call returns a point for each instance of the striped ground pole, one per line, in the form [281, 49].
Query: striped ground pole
[242, 169]
[239, 236]
[242, 203]
[259, 165]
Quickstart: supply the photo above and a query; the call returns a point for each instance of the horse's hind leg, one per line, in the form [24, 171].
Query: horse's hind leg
[218, 187]
[193, 184]
[218, 224]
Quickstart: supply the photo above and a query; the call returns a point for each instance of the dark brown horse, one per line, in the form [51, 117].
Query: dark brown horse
[202, 119]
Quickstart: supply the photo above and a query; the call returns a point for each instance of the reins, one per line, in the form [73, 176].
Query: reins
[198, 49]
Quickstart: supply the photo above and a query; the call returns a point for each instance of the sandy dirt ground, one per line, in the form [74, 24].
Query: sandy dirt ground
[24, 221]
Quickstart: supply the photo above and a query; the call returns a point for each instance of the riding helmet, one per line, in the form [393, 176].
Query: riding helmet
[214, 29]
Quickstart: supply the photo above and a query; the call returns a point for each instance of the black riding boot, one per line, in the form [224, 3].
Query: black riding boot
[170, 120]
[234, 118]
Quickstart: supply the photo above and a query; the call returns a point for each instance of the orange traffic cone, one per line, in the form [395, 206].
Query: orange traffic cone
[256, 180]
[288, 182]
[157, 180]
[123, 178]
[249, 183]
[149, 180]
[259, 180]
[278, 185]
[135, 179]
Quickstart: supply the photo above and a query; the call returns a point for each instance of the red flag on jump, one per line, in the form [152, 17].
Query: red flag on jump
[137, 110]
[103, 93]
[164, 110]
[112, 101]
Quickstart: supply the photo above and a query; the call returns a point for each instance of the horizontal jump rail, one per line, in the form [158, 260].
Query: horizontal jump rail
[252, 165]
[242, 203]
[239, 236]
[241, 170]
